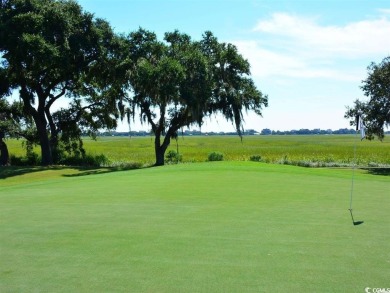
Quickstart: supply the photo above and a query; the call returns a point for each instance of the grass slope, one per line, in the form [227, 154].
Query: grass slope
[210, 227]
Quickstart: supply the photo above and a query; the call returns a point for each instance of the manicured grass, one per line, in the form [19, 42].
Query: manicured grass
[209, 227]
[305, 150]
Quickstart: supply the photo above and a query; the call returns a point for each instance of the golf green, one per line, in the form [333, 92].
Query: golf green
[202, 227]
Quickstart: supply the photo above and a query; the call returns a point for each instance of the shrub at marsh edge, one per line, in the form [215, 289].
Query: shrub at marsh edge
[255, 158]
[215, 156]
[173, 157]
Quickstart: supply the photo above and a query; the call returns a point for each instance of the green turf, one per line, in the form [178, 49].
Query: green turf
[208, 227]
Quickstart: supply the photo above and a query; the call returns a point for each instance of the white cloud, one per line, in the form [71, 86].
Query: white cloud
[384, 11]
[357, 39]
[291, 46]
[265, 62]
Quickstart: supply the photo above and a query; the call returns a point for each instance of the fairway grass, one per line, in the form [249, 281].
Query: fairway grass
[201, 227]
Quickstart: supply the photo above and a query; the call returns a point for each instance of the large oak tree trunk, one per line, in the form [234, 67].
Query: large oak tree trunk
[47, 158]
[161, 148]
[160, 152]
[4, 155]
[46, 153]
[41, 125]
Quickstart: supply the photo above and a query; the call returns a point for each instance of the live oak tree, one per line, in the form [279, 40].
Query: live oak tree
[233, 91]
[52, 51]
[179, 82]
[376, 111]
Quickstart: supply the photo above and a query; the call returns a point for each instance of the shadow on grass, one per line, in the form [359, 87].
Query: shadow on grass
[378, 171]
[82, 171]
[13, 171]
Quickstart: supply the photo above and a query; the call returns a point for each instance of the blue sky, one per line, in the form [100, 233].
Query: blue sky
[308, 56]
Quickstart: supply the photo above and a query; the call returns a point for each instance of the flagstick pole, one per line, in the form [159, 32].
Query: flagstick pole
[359, 125]
[353, 172]
[359, 122]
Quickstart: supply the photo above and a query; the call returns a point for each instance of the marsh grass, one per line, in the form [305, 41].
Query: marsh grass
[301, 150]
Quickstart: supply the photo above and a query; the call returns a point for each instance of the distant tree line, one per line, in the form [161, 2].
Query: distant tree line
[265, 131]
[316, 131]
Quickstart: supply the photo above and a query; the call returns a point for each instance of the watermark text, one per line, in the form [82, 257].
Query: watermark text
[377, 290]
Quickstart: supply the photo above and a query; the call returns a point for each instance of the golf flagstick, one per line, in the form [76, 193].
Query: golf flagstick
[359, 122]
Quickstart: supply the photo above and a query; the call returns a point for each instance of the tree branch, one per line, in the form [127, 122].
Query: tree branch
[145, 108]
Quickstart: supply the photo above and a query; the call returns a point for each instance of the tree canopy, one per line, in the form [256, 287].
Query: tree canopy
[179, 82]
[376, 111]
[52, 50]
[74, 75]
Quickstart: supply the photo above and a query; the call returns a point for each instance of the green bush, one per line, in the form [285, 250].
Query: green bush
[255, 158]
[86, 160]
[173, 157]
[32, 159]
[215, 156]
[126, 165]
